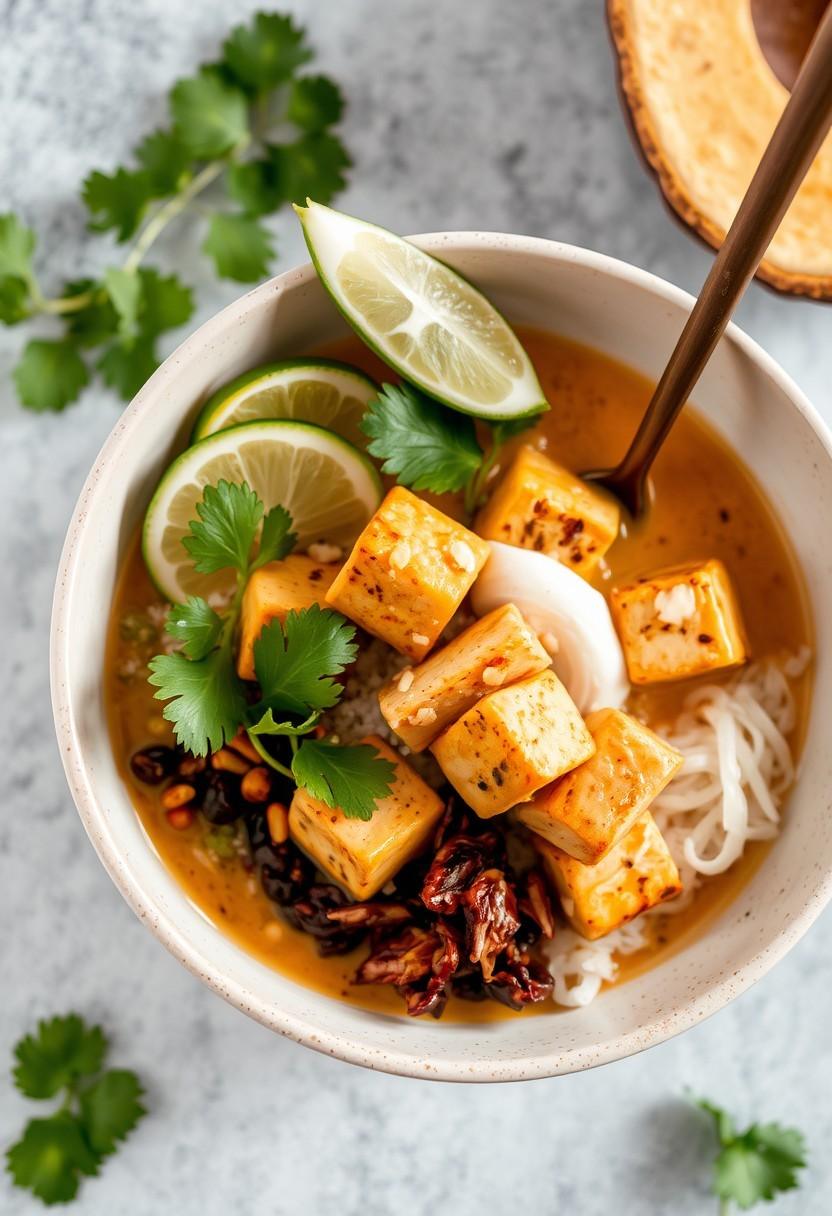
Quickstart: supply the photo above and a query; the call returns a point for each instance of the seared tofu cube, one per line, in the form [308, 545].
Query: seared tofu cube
[496, 651]
[512, 743]
[410, 570]
[542, 506]
[678, 623]
[362, 856]
[589, 810]
[274, 591]
[635, 875]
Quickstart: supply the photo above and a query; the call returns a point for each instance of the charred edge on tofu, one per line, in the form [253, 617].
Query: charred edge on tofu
[459, 920]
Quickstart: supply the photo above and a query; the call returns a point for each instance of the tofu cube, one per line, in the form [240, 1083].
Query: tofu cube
[512, 743]
[363, 856]
[276, 590]
[410, 570]
[635, 875]
[679, 623]
[496, 651]
[589, 810]
[542, 506]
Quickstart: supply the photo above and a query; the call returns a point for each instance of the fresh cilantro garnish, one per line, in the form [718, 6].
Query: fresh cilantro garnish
[196, 625]
[755, 1164]
[225, 123]
[296, 662]
[99, 1109]
[429, 447]
[351, 778]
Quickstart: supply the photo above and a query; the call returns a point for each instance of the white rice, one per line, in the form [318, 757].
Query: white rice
[738, 768]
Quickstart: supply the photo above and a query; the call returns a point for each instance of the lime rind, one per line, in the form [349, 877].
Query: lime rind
[331, 499]
[347, 389]
[331, 237]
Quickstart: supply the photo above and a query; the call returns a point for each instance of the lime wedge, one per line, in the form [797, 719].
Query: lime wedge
[329, 487]
[421, 317]
[321, 391]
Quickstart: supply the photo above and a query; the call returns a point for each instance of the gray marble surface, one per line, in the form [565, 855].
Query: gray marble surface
[484, 115]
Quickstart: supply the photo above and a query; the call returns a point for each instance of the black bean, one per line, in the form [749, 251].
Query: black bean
[152, 764]
[218, 796]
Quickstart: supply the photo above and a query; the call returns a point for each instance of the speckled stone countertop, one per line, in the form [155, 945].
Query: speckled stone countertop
[484, 115]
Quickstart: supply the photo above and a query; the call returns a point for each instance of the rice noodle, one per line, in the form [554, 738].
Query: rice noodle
[738, 768]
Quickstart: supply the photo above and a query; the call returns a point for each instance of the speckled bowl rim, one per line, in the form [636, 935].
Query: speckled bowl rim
[82, 784]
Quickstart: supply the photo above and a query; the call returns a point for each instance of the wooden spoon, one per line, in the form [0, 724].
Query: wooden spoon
[791, 150]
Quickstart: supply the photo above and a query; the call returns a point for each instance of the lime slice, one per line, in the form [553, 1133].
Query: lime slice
[329, 487]
[322, 391]
[421, 317]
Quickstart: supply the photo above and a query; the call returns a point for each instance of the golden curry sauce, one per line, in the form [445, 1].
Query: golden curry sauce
[706, 504]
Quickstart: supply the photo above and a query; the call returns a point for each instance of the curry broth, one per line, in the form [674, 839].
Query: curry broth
[706, 504]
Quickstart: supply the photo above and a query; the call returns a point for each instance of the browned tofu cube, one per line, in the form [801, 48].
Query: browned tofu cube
[496, 651]
[542, 506]
[635, 875]
[589, 810]
[512, 743]
[364, 855]
[410, 570]
[678, 623]
[274, 591]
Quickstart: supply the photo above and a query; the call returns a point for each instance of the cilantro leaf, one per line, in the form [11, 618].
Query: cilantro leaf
[61, 1050]
[755, 1164]
[315, 102]
[240, 246]
[253, 184]
[110, 1109]
[124, 288]
[268, 725]
[210, 116]
[229, 515]
[276, 538]
[426, 446]
[50, 1156]
[166, 160]
[17, 246]
[311, 167]
[350, 778]
[96, 321]
[206, 702]
[296, 659]
[196, 625]
[126, 369]
[117, 200]
[166, 302]
[49, 374]
[267, 52]
[14, 299]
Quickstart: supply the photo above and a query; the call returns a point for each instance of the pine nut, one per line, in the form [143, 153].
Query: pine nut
[242, 744]
[180, 817]
[277, 817]
[178, 795]
[256, 785]
[229, 762]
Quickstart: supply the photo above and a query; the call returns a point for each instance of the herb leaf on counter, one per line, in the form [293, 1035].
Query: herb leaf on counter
[756, 1164]
[228, 125]
[99, 1108]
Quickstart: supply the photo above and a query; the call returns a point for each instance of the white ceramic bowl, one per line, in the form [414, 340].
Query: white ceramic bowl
[631, 316]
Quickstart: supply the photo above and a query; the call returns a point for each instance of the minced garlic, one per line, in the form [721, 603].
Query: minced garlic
[462, 556]
[321, 552]
[405, 679]
[400, 555]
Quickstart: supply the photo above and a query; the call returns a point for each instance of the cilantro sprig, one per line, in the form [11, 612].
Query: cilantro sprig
[296, 662]
[248, 135]
[99, 1108]
[429, 447]
[755, 1164]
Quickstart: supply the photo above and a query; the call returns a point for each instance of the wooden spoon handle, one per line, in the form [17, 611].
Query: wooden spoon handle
[796, 139]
